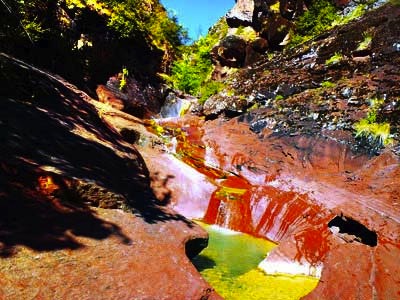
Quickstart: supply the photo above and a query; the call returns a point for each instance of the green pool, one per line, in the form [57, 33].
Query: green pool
[229, 264]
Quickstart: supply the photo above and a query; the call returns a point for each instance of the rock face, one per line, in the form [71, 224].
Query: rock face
[274, 21]
[231, 51]
[274, 30]
[136, 98]
[241, 14]
[291, 169]
[217, 104]
[299, 92]
[58, 159]
[314, 196]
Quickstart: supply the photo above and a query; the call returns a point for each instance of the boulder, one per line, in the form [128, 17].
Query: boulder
[259, 45]
[275, 29]
[106, 96]
[224, 104]
[241, 14]
[231, 51]
[254, 50]
[135, 98]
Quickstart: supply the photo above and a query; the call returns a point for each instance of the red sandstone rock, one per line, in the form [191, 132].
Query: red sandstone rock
[288, 189]
[58, 157]
[108, 97]
[138, 260]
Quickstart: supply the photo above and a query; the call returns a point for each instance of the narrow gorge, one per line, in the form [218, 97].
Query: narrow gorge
[261, 161]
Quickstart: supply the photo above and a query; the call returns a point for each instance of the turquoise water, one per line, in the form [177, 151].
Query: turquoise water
[229, 264]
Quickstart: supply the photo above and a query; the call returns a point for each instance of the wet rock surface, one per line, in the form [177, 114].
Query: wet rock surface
[293, 190]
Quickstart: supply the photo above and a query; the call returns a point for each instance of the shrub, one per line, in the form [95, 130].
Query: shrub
[317, 19]
[376, 134]
[187, 74]
[191, 73]
[320, 17]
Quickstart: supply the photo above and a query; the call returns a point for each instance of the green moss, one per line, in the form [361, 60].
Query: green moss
[210, 88]
[334, 59]
[246, 33]
[354, 14]
[275, 7]
[254, 107]
[375, 132]
[366, 42]
[327, 84]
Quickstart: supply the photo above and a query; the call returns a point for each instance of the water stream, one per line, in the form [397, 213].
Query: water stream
[229, 264]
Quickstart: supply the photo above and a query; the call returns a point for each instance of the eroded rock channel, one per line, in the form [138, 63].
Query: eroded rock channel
[292, 161]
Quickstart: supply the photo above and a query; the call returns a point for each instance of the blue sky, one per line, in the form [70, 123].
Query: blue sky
[198, 15]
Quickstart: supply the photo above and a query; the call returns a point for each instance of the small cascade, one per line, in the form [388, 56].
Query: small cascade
[174, 107]
[232, 195]
[252, 207]
[257, 208]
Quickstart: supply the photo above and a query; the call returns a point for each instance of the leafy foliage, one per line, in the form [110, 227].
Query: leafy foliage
[122, 83]
[191, 73]
[77, 37]
[321, 16]
[21, 20]
[145, 18]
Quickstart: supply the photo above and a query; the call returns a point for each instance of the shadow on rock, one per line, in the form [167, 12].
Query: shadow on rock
[48, 129]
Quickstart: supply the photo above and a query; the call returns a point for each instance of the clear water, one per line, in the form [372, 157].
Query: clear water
[229, 264]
